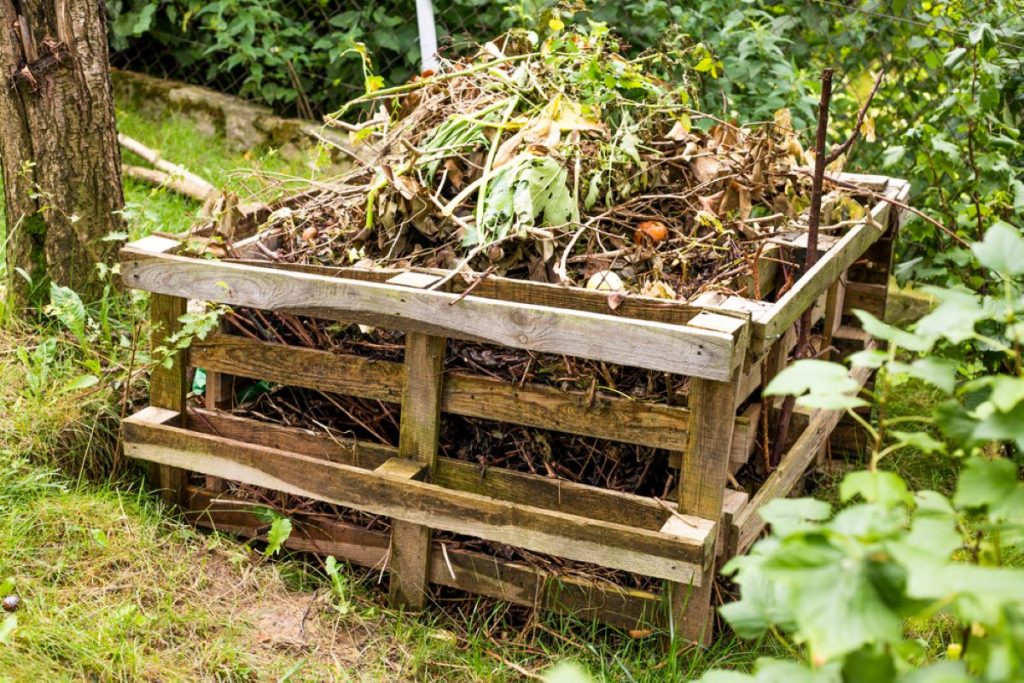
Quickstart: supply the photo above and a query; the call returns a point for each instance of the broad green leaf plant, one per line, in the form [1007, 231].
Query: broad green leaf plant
[839, 586]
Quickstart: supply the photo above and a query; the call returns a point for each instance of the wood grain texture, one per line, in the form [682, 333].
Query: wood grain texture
[450, 566]
[504, 484]
[827, 269]
[296, 366]
[611, 545]
[702, 483]
[466, 394]
[519, 291]
[419, 426]
[167, 385]
[657, 346]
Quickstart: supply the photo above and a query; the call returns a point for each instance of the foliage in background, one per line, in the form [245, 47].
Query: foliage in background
[846, 588]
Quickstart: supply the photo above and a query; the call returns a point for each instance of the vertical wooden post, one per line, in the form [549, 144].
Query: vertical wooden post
[220, 395]
[702, 479]
[418, 436]
[167, 387]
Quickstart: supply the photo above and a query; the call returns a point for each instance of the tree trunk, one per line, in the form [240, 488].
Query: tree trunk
[58, 145]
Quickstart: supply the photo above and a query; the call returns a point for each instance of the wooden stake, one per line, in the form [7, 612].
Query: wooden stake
[418, 435]
[167, 387]
[702, 482]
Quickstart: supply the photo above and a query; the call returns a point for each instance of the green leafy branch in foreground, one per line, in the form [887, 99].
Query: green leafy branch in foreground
[841, 586]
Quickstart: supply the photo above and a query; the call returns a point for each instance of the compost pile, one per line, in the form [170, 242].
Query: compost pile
[563, 162]
[566, 163]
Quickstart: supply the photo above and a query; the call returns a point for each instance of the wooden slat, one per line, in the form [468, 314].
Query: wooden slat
[702, 483]
[611, 545]
[866, 297]
[496, 482]
[792, 467]
[657, 346]
[296, 366]
[519, 291]
[818, 279]
[466, 394]
[450, 566]
[167, 383]
[418, 432]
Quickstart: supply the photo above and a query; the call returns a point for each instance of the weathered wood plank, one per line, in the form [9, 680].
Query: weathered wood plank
[167, 385]
[466, 394]
[702, 483]
[866, 297]
[450, 566]
[419, 427]
[611, 545]
[657, 346]
[295, 366]
[519, 291]
[818, 279]
[496, 482]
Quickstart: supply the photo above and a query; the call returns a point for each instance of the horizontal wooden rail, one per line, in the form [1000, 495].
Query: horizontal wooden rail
[450, 566]
[828, 268]
[467, 394]
[149, 435]
[518, 487]
[683, 349]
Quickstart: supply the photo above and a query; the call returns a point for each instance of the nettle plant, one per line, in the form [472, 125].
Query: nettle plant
[844, 587]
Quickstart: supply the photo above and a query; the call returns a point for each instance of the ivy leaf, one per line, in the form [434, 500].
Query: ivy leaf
[7, 628]
[817, 384]
[1002, 250]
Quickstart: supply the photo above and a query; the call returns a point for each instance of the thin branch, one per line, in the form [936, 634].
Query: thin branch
[845, 146]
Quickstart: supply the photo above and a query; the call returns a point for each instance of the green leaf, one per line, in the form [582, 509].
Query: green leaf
[1002, 250]
[788, 515]
[903, 339]
[82, 382]
[886, 488]
[67, 307]
[943, 672]
[567, 672]
[7, 628]
[817, 384]
[922, 441]
[955, 316]
[985, 482]
[938, 372]
[7, 586]
[280, 530]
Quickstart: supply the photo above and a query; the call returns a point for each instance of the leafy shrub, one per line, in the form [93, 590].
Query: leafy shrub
[842, 587]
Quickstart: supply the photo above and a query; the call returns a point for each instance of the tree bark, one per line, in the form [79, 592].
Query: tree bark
[58, 146]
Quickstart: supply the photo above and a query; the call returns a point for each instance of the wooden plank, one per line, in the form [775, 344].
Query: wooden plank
[519, 291]
[466, 394]
[833, 311]
[866, 297]
[450, 566]
[295, 366]
[702, 481]
[167, 385]
[818, 279]
[611, 545]
[792, 467]
[518, 487]
[656, 346]
[418, 433]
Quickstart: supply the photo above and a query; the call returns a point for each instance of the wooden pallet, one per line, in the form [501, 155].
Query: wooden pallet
[729, 346]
